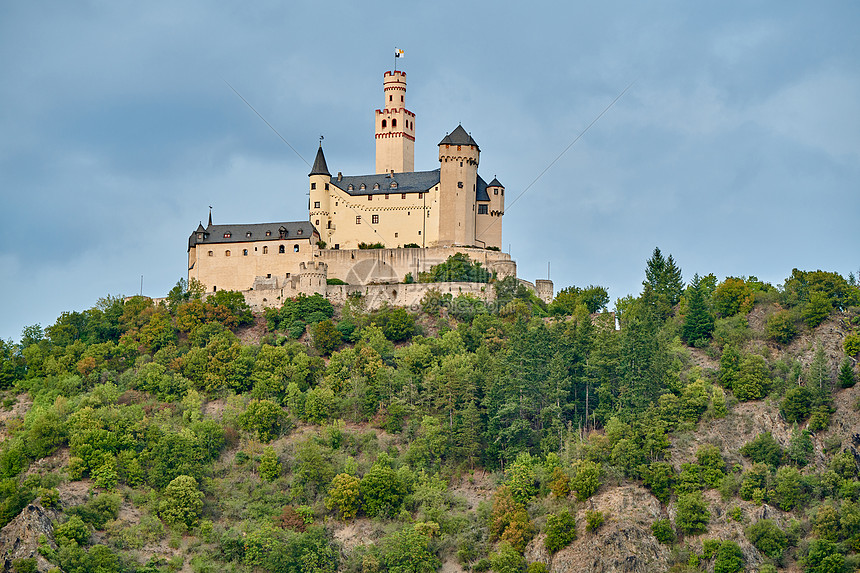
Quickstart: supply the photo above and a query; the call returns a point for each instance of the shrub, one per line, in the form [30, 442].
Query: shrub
[326, 337]
[730, 558]
[816, 309]
[763, 449]
[343, 495]
[182, 502]
[263, 417]
[593, 520]
[270, 467]
[732, 296]
[536, 566]
[847, 379]
[753, 378]
[819, 420]
[768, 538]
[780, 326]
[797, 404]
[382, 491]
[560, 531]
[586, 479]
[371, 246]
[663, 531]
[692, 513]
[851, 344]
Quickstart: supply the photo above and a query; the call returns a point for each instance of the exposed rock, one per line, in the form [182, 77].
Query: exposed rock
[19, 539]
[623, 544]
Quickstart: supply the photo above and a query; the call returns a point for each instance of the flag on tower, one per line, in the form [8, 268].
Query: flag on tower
[398, 53]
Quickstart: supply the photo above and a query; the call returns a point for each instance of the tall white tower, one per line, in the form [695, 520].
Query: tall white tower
[395, 128]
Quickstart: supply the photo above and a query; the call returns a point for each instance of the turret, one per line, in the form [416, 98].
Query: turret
[319, 208]
[491, 233]
[458, 158]
[395, 128]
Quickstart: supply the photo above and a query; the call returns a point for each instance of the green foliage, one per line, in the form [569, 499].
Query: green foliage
[692, 513]
[408, 551]
[851, 344]
[284, 551]
[586, 479]
[663, 283]
[594, 298]
[382, 491]
[396, 323]
[593, 520]
[763, 449]
[507, 559]
[659, 477]
[753, 380]
[298, 312]
[797, 404]
[780, 326]
[788, 488]
[73, 530]
[800, 447]
[371, 246]
[182, 502]
[729, 558]
[457, 268]
[698, 320]
[816, 309]
[522, 478]
[824, 557]
[326, 337]
[560, 531]
[768, 538]
[343, 495]
[99, 510]
[820, 419]
[733, 296]
[270, 467]
[663, 531]
[847, 378]
[263, 417]
[24, 565]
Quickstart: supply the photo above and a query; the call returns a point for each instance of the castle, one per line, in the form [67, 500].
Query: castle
[419, 218]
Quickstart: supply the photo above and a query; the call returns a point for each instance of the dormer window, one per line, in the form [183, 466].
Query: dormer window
[248, 234]
[199, 236]
[362, 187]
[299, 232]
[393, 185]
[268, 233]
[227, 235]
[376, 186]
[282, 233]
[350, 187]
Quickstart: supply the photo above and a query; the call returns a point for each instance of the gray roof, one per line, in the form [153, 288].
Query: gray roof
[239, 233]
[319, 168]
[411, 182]
[495, 183]
[458, 137]
[481, 190]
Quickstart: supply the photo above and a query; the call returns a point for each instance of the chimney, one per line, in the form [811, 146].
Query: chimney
[339, 175]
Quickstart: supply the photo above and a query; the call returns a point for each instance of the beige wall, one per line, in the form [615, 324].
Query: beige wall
[488, 231]
[395, 141]
[238, 271]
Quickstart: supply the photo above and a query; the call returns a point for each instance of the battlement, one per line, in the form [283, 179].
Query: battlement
[313, 267]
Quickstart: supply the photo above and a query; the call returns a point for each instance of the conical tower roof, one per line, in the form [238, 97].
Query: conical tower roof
[319, 168]
[458, 137]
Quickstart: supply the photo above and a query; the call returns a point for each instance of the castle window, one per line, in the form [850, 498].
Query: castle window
[395, 235]
[268, 275]
[421, 195]
[393, 185]
[419, 232]
[211, 253]
[401, 98]
[384, 124]
[393, 123]
[244, 252]
[390, 98]
[460, 184]
[226, 253]
[403, 195]
[295, 248]
[316, 204]
[375, 219]
[370, 197]
[358, 220]
[313, 185]
[461, 163]
[386, 195]
[199, 236]
[265, 250]
[495, 191]
[268, 233]
[317, 222]
[361, 187]
[227, 235]
[326, 186]
[350, 187]
[248, 234]
[337, 246]
[376, 186]
[299, 232]
[503, 192]
[281, 250]
[328, 224]
[482, 209]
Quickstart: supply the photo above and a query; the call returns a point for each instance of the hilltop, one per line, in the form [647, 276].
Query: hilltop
[710, 426]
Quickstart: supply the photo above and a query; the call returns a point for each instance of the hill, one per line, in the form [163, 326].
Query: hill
[713, 428]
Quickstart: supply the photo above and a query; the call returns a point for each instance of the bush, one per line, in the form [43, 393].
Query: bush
[816, 309]
[326, 337]
[586, 479]
[847, 379]
[263, 417]
[851, 344]
[819, 420]
[768, 538]
[663, 531]
[593, 520]
[270, 467]
[560, 531]
[780, 327]
[753, 379]
[692, 513]
[730, 558]
[182, 502]
[797, 404]
[343, 495]
[763, 449]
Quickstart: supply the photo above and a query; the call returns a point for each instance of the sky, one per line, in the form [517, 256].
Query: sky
[736, 147]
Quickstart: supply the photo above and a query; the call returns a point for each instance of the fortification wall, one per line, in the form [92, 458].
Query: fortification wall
[366, 266]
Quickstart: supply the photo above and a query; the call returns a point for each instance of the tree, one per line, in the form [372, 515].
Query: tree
[263, 417]
[270, 467]
[753, 379]
[586, 479]
[730, 558]
[408, 551]
[326, 337]
[343, 495]
[768, 538]
[663, 283]
[560, 531]
[692, 513]
[382, 491]
[797, 404]
[663, 531]
[733, 296]
[780, 326]
[698, 322]
[847, 379]
[182, 502]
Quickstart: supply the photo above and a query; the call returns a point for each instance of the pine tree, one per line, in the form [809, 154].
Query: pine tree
[847, 379]
[699, 322]
[663, 283]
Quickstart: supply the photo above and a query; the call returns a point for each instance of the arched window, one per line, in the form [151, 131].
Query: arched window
[295, 248]
[281, 249]
[227, 235]
[227, 254]
[393, 123]
[244, 252]
[211, 253]
[362, 187]
[384, 124]
[265, 250]
[350, 187]
[376, 186]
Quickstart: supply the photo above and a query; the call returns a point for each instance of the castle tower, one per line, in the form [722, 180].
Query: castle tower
[458, 179]
[489, 227]
[319, 208]
[395, 128]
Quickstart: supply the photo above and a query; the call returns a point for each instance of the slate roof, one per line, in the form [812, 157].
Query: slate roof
[481, 190]
[239, 233]
[495, 183]
[458, 137]
[412, 182]
[319, 168]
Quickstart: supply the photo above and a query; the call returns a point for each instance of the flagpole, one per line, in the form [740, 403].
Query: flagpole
[395, 58]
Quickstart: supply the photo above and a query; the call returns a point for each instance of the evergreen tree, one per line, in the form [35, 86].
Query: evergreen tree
[663, 283]
[699, 322]
[847, 379]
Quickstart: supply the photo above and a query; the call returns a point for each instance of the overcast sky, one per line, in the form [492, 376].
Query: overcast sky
[737, 149]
